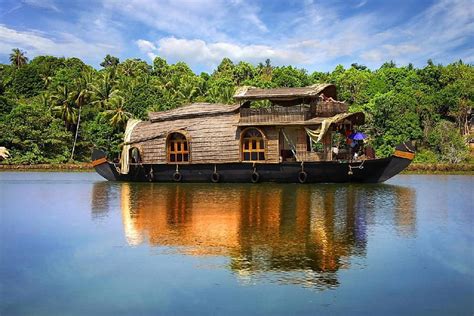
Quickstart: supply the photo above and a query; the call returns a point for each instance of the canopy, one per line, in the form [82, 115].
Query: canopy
[357, 136]
[124, 167]
[318, 134]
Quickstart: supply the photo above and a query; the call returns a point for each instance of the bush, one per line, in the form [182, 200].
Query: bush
[448, 143]
[33, 135]
[425, 156]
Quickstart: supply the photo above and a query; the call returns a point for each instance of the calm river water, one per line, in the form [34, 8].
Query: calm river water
[73, 244]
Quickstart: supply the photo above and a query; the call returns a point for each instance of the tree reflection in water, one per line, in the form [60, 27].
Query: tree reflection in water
[288, 233]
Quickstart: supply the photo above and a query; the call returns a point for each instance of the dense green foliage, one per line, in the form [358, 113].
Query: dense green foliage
[54, 109]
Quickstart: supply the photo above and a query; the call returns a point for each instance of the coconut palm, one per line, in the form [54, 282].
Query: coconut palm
[18, 58]
[80, 97]
[64, 106]
[116, 112]
[189, 89]
[46, 80]
[104, 89]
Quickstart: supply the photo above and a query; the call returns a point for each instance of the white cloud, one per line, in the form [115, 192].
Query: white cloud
[44, 4]
[202, 32]
[318, 38]
[145, 46]
[198, 52]
[361, 4]
[215, 20]
[40, 43]
[439, 33]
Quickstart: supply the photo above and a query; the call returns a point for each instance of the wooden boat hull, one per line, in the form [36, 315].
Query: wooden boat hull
[368, 171]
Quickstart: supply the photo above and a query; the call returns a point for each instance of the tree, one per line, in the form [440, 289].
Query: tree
[358, 67]
[243, 73]
[18, 58]
[160, 68]
[221, 90]
[33, 135]
[134, 68]
[352, 85]
[80, 97]
[225, 68]
[448, 143]
[288, 76]
[104, 88]
[64, 106]
[27, 82]
[110, 61]
[117, 115]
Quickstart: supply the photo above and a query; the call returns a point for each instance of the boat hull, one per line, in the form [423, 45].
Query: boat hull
[368, 171]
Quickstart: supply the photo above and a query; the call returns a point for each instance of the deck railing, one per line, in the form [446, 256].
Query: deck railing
[275, 114]
[302, 112]
[330, 108]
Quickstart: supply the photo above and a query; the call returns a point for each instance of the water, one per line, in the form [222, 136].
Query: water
[72, 244]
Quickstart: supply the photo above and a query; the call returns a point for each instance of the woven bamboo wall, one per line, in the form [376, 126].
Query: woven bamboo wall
[211, 140]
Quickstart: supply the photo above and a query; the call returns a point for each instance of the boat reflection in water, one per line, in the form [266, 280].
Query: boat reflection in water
[285, 233]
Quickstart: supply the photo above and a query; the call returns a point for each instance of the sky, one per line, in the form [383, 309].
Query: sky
[315, 35]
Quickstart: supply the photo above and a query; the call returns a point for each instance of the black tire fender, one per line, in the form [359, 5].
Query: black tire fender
[215, 177]
[177, 176]
[302, 177]
[255, 177]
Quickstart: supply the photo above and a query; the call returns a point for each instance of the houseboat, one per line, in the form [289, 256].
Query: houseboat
[300, 135]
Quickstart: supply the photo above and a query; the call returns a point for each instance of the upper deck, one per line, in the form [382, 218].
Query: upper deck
[289, 104]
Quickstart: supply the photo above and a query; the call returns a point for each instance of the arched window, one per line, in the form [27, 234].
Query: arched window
[135, 156]
[253, 145]
[178, 148]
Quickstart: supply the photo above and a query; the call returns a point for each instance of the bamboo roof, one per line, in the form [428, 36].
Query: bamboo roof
[193, 110]
[251, 93]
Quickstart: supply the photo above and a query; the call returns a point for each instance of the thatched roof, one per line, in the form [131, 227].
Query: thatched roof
[251, 93]
[193, 110]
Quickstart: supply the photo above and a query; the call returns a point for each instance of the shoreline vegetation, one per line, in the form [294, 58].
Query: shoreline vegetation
[55, 110]
[414, 168]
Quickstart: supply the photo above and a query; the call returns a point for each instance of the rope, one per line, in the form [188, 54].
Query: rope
[409, 150]
[361, 166]
[293, 148]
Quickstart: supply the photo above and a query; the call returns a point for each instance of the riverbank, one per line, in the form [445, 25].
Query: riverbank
[73, 167]
[439, 168]
[414, 168]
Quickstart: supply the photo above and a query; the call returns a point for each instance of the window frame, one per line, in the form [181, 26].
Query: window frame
[251, 150]
[140, 154]
[175, 151]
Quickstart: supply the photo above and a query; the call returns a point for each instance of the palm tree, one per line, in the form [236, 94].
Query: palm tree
[46, 80]
[18, 58]
[80, 97]
[104, 89]
[188, 90]
[117, 114]
[64, 106]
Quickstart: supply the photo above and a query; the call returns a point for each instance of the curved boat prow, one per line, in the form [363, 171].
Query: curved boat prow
[102, 166]
[401, 158]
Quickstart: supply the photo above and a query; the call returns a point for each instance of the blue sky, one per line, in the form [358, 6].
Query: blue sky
[316, 35]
